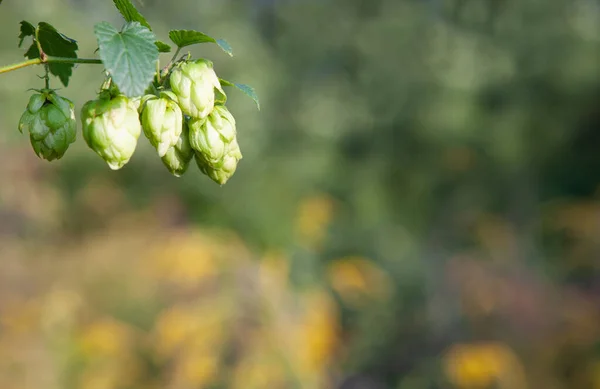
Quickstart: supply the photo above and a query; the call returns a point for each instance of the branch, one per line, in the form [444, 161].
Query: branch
[46, 60]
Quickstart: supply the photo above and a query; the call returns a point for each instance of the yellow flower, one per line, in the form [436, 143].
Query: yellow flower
[185, 326]
[184, 259]
[481, 365]
[196, 369]
[318, 333]
[105, 338]
[353, 278]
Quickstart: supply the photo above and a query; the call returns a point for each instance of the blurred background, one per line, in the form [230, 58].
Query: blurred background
[417, 207]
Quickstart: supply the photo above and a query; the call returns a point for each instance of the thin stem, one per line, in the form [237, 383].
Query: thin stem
[10, 68]
[48, 59]
[158, 70]
[166, 69]
[174, 56]
[47, 76]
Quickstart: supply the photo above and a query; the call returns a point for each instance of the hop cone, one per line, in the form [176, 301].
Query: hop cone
[162, 121]
[111, 127]
[177, 158]
[194, 84]
[50, 121]
[214, 141]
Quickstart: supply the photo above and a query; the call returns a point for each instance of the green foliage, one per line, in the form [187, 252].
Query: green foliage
[27, 29]
[128, 55]
[457, 155]
[162, 47]
[183, 38]
[134, 82]
[51, 43]
[130, 13]
[247, 89]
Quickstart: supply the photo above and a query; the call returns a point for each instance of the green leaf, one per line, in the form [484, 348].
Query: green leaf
[250, 92]
[57, 45]
[162, 47]
[247, 89]
[224, 45]
[129, 55]
[32, 52]
[27, 29]
[130, 13]
[183, 38]
[225, 82]
[53, 43]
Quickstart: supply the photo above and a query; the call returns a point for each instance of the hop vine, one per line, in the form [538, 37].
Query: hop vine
[179, 107]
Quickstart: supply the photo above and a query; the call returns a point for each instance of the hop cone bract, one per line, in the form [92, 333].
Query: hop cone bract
[111, 127]
[194, 84]
[177, 158]
[215, 144]
[50, 121]
[162, 121]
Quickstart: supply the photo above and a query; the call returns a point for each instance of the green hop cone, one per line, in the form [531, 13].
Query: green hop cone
[162, 121]
[138, 101]
[177, 158]
[215, 144]
[50, 121]
[194, 83]
[111, 127]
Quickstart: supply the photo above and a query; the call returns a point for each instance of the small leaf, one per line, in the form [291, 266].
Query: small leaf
[250, 92]
[55, 44]
[224, 82]
[247, 89]
[130, 13]
[224, 45]
[183, 38]
[27, 29]
[129, 55]
[162, 47]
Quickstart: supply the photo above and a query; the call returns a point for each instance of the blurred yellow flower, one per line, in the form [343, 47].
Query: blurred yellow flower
[483, 364]
[195, 369]
[318, 333]
[314, 215]
[354, 278]
[185, 258]
[185, 326]
[105, 338]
